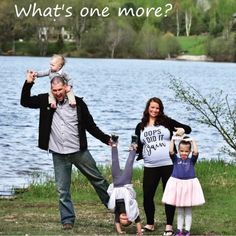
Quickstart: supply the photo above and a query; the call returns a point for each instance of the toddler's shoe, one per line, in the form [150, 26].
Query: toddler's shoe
[73, 104]
[114, 139]
[53, 105]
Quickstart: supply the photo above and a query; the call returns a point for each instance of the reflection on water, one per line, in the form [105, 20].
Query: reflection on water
[116, 92]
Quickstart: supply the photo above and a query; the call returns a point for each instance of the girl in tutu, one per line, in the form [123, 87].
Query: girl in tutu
[183, 189]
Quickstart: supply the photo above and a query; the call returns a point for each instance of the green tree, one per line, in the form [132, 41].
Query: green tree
[168, 46]
[147, 41]
[188, 7]
[7, 23]
[177, 6]
[222, 16]
[226, 10]
[222, 49]
[94, 39]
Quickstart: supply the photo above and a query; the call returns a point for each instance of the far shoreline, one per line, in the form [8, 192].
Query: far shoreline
[203, 58]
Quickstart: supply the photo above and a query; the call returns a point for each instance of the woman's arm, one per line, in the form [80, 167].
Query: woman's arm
[140, 145]
[179, 127]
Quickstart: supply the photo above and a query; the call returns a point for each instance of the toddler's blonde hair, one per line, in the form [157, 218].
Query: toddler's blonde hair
[61, 58]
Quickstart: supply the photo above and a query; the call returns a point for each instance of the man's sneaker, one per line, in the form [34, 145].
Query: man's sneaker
[178, 233]
[114, 139]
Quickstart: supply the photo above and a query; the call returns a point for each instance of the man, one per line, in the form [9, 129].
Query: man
[62, 131]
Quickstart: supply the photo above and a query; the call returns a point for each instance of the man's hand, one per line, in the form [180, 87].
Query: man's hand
[30, 76]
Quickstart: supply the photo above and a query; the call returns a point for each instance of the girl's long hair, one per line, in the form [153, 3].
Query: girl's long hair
[160, 119]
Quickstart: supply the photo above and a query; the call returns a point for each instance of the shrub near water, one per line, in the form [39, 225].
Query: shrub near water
[222, 49]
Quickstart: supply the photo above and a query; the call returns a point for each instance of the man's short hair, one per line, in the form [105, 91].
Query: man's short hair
[57, 79]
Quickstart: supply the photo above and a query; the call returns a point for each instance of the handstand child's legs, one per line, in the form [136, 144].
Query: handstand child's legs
[116, 171]
[127, 173]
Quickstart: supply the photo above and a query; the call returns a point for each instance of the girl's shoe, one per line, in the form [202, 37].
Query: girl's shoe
[134, 143]
[134, 139]
[53, 105]
[178, 233]
[114, 140]
[186, 233]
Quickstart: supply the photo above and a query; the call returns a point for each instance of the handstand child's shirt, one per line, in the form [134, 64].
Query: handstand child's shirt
[156, 141]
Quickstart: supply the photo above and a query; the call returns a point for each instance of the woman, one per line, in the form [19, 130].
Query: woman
[155, 131]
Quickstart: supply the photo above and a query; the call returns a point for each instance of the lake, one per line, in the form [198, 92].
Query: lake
[116, 91]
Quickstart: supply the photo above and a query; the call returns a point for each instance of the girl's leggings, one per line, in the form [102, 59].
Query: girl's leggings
[184, 216]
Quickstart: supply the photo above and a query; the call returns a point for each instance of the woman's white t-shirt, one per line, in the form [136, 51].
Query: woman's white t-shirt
[156, 142]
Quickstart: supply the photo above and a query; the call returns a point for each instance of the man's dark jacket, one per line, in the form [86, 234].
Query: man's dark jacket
[85, 120]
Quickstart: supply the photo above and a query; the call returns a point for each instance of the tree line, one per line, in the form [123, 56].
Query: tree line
[149, 29]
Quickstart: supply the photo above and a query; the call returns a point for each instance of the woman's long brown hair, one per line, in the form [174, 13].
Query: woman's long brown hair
[161, 116]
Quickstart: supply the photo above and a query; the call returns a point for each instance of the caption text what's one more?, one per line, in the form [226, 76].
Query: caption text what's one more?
[33, 10]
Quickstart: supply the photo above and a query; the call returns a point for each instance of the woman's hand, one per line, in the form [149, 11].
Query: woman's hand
[179, 132]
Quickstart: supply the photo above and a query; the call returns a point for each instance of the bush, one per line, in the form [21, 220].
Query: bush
[168, 46]
[222, 49]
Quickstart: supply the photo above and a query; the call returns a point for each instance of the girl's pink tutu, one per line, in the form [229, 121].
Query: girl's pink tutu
[183, 193]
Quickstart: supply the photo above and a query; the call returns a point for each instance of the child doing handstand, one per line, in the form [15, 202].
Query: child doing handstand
[183, 188]
[122, 195]
[56, 68]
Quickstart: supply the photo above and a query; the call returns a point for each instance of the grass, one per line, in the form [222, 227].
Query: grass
[35, 212]
[193, 45]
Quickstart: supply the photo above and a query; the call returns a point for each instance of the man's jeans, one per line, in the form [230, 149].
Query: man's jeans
[63, 167]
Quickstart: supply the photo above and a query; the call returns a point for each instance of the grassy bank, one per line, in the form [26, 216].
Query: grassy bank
[35, 212]
[193, 45]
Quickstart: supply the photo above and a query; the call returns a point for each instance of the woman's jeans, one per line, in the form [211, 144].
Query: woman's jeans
[63, 168]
